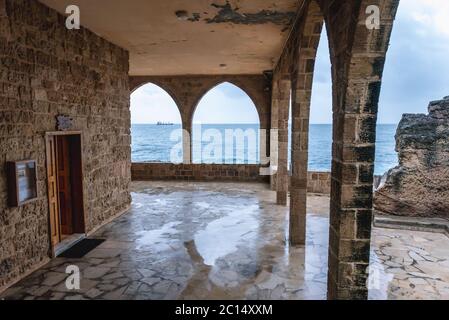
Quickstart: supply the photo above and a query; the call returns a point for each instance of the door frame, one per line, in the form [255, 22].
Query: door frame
[54, 134]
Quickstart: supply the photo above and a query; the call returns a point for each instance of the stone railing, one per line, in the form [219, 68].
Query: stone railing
[319, 182]
[197, 172]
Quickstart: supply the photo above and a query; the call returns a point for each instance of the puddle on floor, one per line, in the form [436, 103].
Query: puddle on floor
[223, 236]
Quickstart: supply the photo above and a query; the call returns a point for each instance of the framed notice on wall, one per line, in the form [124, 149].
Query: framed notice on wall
[22, 182]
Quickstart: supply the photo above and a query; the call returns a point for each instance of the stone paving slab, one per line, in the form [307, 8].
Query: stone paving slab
[227, 241]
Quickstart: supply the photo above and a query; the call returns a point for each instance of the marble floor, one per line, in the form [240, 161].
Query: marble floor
[227, 241]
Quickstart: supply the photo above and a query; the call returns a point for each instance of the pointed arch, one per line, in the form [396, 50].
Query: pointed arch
[220, 83]
[227, 121]
[155, 125]
[160, 86]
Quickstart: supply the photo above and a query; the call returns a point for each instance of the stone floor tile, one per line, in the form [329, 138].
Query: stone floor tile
[228, 241]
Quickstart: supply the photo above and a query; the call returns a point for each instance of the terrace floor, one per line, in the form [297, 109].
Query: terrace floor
[227, 241]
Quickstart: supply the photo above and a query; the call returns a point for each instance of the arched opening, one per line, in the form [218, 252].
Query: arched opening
[226, 127]
[320, 126]
[156, 126]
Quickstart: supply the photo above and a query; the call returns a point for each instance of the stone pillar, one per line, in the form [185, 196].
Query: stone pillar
[300, 146]
[282, 165]
[187, 141]
[274, 147]
[265, 145]
[358, 56]
[303, 69]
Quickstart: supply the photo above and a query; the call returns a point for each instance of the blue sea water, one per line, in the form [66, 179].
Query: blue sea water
[153, 143]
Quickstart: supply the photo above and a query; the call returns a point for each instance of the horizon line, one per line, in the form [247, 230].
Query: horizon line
[252, 123]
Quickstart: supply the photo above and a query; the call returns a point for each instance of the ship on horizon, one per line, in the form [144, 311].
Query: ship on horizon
[159, 123]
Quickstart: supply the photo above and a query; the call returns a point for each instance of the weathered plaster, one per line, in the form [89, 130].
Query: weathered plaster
[179, 37]
[229, 14]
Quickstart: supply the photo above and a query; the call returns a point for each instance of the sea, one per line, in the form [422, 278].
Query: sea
[239, 143]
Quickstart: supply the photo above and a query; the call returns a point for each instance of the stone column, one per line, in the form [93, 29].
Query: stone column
[303, 69]
[282, 165]
[358, 56]
[265, 143]
[274, 147]
[300, 150]
[187, 142]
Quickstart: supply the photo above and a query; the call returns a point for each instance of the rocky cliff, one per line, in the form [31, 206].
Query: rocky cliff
[419, 186]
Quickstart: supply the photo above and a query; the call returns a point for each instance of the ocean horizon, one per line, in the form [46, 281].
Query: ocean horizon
[155, 143]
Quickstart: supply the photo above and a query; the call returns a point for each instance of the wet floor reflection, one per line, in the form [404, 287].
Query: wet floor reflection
[224, 235]
[228, 241]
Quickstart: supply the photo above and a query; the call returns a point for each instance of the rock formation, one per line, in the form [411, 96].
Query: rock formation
[419, 186]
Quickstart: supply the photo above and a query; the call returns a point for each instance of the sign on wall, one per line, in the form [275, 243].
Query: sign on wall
[64, 123]
[22, 182]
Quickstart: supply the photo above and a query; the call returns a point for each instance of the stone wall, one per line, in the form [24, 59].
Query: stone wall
[197, 172]
[318, 182]
[419, 185]
[46, 70]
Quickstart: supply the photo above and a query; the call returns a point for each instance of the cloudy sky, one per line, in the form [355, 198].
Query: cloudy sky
[416, 72]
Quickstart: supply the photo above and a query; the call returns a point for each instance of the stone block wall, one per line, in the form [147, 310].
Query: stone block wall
[318, 182]
[46, 70]
[197, 172]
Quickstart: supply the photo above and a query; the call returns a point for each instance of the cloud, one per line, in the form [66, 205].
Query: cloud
[226, 103]
[416, 72]
[416, 69]
[150, 104]
[431, 16]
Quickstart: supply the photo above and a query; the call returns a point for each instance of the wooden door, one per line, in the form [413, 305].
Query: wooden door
[64, 185]
[76, 177]
[52, 179]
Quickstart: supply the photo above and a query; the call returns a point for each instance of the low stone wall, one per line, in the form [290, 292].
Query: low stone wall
[197, 172]
[319, 182]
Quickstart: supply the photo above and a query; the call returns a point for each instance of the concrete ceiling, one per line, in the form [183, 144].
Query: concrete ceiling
[179, 37]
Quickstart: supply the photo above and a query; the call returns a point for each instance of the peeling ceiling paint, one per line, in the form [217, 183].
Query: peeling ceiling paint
[232, 15]
[178, 37]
